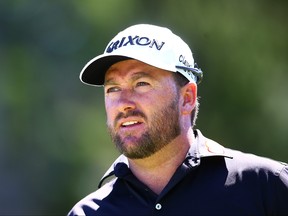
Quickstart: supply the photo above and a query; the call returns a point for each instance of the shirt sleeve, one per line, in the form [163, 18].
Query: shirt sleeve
[282, 191]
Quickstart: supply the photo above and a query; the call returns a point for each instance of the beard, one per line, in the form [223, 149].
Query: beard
[164, 128]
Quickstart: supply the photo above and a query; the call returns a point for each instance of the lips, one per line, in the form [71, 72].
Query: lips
[131, 119]
[129, 122]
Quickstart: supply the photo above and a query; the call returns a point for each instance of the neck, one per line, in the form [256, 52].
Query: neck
[156, 171]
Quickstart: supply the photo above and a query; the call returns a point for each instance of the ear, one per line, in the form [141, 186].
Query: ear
[189, 96]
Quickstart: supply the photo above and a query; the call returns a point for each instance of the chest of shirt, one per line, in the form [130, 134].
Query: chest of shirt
[203, 190]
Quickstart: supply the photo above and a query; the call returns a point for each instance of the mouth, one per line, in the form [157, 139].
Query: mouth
[130, 124]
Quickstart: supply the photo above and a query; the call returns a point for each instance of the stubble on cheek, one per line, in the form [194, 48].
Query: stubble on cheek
[140, 145]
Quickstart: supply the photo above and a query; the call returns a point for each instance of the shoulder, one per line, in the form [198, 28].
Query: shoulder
[262, 174]
[238, 161]
[242, 162]
[89, 204]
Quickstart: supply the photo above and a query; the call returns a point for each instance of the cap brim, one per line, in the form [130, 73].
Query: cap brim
[94, 71]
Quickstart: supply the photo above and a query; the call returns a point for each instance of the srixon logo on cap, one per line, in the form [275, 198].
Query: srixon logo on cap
[136, 40]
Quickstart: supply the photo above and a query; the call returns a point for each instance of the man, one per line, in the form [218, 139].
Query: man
[166, 166]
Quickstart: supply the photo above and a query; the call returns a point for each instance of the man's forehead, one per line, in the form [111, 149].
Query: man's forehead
[134, 68]
[110, 79]
[127, 65]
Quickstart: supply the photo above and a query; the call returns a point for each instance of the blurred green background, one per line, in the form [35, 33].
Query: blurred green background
[54, 147]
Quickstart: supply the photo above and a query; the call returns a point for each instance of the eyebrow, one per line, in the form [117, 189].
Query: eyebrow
[134, 77]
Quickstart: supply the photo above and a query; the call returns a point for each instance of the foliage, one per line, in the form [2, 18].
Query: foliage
[53, 141]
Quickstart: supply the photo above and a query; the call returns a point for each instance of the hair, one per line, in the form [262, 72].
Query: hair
[181, 81]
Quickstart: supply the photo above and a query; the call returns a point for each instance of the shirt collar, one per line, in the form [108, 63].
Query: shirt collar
[205, 147]
[201, 148]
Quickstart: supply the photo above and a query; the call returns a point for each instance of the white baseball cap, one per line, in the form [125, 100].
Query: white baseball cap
[153, 45]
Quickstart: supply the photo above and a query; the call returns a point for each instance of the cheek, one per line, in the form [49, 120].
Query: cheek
[164, 98]
[109, 113]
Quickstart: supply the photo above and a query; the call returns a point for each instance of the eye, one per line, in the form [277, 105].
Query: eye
[112, 89]
[142, 84]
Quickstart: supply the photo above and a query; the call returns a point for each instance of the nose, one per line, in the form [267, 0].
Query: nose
[126, 101]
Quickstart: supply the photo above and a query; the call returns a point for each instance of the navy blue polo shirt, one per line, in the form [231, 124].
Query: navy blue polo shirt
[212, 180]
